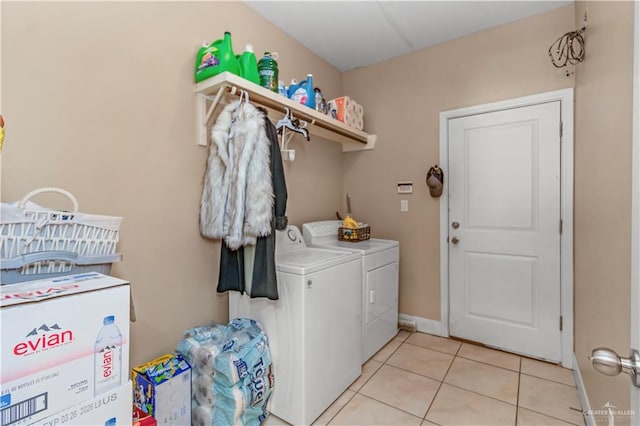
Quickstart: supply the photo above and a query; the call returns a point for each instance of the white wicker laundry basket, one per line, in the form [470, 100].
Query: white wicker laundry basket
[27, 228]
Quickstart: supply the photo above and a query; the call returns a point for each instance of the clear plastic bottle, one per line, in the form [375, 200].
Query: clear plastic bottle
[321, 104]
[107, 357]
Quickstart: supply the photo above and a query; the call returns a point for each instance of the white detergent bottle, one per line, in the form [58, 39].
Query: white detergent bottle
[107, 357]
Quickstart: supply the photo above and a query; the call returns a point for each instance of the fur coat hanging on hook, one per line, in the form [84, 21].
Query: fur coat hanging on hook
[237, 198]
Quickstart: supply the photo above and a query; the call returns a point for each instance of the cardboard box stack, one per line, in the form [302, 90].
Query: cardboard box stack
[65, 351]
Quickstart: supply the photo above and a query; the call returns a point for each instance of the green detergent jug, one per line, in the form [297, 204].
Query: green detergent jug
[216, 58]
[249, 65]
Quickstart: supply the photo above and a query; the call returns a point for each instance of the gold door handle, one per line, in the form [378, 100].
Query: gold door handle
[455, 240]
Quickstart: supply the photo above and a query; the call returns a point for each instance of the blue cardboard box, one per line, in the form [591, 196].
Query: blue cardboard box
[162, 388]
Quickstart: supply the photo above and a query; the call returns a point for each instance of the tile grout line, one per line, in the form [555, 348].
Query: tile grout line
[492, 365]
[417, 374]
[435, 350]
[471, 359]
[387, 404]
[337, 412]
[390, 355]
[518, 391]
[549, 415]
[441, 383]
[549, 380]
[482, 394]
[370, 377]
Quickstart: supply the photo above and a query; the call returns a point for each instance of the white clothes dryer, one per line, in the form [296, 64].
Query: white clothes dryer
[380, 261]
[314, 328]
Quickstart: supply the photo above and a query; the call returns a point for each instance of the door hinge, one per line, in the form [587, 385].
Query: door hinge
[561, 226]
[561, 129]
[560, 322]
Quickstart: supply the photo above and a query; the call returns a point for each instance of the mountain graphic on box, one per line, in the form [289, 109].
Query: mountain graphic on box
[107, 348]
[44, 328]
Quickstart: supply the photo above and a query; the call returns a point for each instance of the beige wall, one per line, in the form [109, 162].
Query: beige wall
[98, 99]
[403, 98]
[603, 122]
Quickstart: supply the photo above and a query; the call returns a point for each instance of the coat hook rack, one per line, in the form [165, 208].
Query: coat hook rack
[569, 49]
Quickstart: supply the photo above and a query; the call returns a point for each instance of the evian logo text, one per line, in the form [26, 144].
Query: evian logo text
[43, 338]
[43, 292]
[107, 362]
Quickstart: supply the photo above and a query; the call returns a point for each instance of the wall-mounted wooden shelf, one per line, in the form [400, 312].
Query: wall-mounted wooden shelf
[222, 88]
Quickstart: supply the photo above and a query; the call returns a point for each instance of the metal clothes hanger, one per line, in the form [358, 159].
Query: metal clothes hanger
[291, 123]
[293, 126]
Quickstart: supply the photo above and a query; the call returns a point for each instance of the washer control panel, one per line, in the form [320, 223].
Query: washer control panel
[289, 239]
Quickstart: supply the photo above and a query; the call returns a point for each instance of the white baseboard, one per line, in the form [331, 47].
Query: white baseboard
[425, 325]
[582, 394]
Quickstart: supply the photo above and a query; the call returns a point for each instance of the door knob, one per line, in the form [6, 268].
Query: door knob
[455, 225]
[455, 240]
[608, 362]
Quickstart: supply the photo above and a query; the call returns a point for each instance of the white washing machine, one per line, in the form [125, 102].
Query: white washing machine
[314, 328]
[380, 259]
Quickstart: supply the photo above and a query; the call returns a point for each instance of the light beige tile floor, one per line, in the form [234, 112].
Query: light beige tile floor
[419, 379]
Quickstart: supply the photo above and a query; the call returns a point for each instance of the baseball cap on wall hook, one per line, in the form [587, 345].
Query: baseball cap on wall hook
[435, 181]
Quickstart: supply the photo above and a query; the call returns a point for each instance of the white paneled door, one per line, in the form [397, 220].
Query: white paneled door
[504, 229]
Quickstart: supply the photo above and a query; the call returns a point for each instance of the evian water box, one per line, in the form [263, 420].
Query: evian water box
[63, 341]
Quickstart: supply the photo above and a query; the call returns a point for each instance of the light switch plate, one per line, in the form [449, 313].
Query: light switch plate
[404, 205]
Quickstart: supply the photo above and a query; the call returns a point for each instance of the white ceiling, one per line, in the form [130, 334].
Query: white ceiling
[350, 34]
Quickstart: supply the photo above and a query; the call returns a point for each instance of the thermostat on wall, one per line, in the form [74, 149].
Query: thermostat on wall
[405, 187]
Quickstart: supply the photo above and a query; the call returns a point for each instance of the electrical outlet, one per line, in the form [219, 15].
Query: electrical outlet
[404, 205]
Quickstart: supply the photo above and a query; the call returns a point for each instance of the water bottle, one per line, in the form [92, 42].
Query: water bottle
[107, 357]
[321, 104]
[268, 71]
[282, 89]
